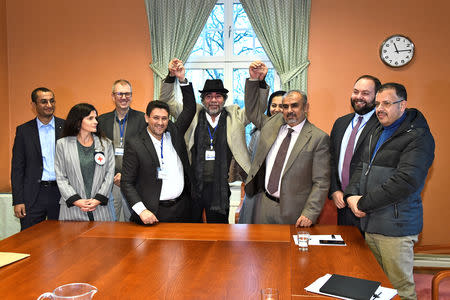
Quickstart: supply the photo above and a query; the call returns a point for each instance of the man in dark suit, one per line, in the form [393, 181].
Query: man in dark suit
[347, 138]
[291, 167]
[155, 171]
[119, 125]
[34, 190]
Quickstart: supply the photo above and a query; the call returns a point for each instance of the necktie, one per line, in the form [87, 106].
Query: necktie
[274, 178]
[348, 155]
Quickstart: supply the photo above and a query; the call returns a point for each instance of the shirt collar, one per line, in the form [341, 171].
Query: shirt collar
[210, 121]
[51, 123]
[366, 116]
[297, 128]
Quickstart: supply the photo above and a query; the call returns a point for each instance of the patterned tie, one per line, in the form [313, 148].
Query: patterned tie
[274, 178]
[348, 155]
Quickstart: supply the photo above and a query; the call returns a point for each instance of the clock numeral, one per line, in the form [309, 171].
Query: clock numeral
[386, 57]
[396, 63]
[390, 61]
[397, 39]
[387, 45]
[384, 51]
[408, 45]
[403, 61]
[407, 57]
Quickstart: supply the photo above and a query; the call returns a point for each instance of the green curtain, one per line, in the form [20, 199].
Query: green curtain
[174, 28]
[282, 26]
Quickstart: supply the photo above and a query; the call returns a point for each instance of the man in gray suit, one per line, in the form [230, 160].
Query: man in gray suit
[292, 162]
[121, 124]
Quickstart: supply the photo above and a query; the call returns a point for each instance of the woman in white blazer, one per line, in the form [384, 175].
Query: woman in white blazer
[84, 167]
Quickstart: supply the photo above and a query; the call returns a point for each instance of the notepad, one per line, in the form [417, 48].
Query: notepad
[7, 258]
[350, 287]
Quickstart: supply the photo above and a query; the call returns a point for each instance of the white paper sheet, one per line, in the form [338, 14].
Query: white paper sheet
[314, 240]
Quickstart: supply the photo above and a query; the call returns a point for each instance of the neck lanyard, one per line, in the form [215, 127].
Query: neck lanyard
[211, 137]
[162, 156]
[122, 127]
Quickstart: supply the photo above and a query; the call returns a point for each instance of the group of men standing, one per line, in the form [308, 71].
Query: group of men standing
[373, 166]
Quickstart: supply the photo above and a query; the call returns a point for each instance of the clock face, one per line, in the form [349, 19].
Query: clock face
[397, 51]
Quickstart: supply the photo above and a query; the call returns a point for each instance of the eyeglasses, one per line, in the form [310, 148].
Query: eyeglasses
[387, 104]
[120, 95]
[210, 97]
[45, 101]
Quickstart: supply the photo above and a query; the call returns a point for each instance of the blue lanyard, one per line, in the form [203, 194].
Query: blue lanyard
[162, 156]
[122, 127]
[211, 137]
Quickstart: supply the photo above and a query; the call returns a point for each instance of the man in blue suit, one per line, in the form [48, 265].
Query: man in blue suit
[34, 190]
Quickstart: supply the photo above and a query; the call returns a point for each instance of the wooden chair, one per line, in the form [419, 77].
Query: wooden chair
[436, 281]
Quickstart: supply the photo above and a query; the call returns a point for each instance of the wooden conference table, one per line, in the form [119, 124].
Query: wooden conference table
[178, 261]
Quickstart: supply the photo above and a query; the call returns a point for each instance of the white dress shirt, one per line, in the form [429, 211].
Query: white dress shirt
[274, 150]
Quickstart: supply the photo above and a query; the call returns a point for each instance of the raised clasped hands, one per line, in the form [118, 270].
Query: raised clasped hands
[176, 68]
[257, 70]
[87, 204]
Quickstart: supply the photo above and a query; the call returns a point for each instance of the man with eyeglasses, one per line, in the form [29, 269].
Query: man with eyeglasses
[291, 167]
[386, 186]
[34, 190]
[121, 124]
[216, 135]
[347, 140]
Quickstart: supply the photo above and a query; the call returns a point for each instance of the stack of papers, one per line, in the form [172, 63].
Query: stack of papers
[314, 240]
[382, 293]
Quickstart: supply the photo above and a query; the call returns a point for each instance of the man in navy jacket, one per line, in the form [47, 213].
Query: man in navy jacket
[385, 188]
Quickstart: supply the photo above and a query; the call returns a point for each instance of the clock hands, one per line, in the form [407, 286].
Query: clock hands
[403, 50]
[396, 50]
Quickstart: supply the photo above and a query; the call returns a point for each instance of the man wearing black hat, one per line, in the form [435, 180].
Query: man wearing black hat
[216, 135]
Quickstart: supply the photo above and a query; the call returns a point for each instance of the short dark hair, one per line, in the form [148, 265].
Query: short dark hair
[400, 89]
[34, 93]
[224, 95]
[77, 113]
[156, 104]
[375, 80]
[269, 103]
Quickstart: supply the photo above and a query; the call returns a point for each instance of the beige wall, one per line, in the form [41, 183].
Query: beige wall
[78, 48]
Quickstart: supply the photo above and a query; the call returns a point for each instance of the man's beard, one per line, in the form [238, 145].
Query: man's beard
[365, 109]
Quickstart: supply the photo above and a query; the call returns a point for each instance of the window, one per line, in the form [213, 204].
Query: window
[224, 50]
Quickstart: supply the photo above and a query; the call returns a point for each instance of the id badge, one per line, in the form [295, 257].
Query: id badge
[118, 151]
[162, 173]
[210, 155]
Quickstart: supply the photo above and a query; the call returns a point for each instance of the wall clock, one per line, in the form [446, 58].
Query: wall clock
[397, 51]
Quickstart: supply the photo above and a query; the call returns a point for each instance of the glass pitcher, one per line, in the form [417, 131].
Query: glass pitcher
[75, 291]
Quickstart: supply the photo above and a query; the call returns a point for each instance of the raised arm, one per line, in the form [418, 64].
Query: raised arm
[167, 94]
[256, 92]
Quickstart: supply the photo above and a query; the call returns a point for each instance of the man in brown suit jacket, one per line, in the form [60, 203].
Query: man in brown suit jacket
[300, 190]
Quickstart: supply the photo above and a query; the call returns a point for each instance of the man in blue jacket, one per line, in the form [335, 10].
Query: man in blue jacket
[385, 188]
